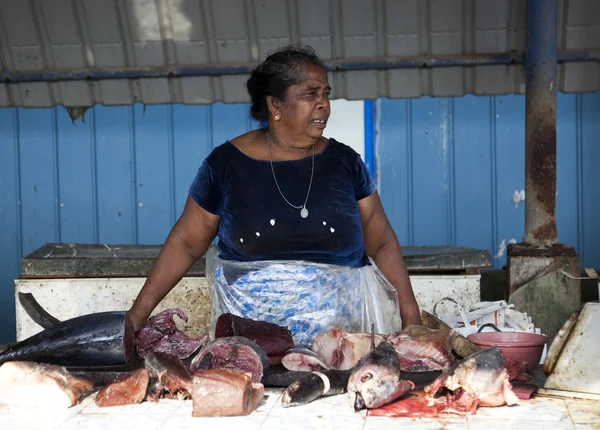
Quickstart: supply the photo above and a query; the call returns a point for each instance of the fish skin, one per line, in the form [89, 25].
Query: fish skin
[98, 339]
[313, 386]
[376, 379]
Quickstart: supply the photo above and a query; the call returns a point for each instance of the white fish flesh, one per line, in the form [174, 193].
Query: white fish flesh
[25, 383]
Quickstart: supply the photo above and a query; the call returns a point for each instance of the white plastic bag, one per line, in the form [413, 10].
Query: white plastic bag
[308, 298]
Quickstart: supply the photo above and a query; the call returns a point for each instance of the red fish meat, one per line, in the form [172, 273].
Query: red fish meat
[421, 349]
[160, 334]
[172, 378]
[232, 353]
[128, 389]
[274, 340]
[220, 392]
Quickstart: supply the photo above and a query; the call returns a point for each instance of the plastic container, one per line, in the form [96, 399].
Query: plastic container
[517, 346]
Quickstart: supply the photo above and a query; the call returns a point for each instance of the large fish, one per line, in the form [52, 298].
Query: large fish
[480, 379]
[376, 380]
[98, 339]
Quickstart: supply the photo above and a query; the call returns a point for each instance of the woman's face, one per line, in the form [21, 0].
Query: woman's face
[305, 110]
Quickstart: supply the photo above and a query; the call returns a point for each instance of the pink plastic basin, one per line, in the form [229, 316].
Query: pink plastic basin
[517, 346]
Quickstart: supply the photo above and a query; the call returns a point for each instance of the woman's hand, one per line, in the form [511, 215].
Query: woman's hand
[188, 240]
[382, 246]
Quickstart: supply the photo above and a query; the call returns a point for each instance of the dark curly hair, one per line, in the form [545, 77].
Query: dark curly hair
[280, 70]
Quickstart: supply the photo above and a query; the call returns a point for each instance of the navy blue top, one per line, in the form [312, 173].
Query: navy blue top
[257, 224]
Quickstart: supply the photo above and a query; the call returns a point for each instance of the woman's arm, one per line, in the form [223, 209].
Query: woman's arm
[382, 246]
[188, 240]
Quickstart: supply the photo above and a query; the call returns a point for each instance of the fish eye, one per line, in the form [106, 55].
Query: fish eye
[366, 377]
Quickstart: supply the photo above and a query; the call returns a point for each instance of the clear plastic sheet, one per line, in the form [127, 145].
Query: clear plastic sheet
[308, 298]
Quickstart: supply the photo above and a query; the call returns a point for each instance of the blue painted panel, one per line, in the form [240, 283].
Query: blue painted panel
[38, 158]
[76, 171]
[590, 195]
[192, 143]
[228, 121]
[115, 167]
[508, 116]
[369, 113]
[10, 221]
[394, 147]
[431, 147]
[464, 195]
[153, 163]
[473, 178]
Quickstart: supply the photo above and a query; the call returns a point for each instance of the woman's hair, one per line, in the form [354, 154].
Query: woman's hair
[280, 70]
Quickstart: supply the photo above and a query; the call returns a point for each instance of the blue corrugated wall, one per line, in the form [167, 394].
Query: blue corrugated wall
[447, 170]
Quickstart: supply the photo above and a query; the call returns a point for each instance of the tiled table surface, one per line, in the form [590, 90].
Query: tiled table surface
[327, 413]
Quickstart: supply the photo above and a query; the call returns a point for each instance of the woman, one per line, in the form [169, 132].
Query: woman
[283, 193]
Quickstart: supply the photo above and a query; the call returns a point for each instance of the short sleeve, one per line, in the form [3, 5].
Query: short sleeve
[364, 185]
[206, 190]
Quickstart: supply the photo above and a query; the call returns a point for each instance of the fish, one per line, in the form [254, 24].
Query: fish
[92, 340]
[25, 383]
[222, 392]
[313, 386]
[340, 349]
[421, 349]
[376, 380]
[232, 353]
[273, 339]
[303, 359]
[127, 389]
[170, 375]
[160, 334]
[481, 378]
[462, 346]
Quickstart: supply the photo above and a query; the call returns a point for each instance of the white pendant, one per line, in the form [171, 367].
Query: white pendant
[304, 213]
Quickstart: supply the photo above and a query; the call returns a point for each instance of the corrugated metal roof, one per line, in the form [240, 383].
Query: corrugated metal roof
[66, 35]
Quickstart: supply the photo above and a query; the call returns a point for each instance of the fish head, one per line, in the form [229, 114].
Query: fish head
[376, 380]
[484, 371]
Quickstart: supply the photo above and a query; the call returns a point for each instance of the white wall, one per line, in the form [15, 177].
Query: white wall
[347, 124]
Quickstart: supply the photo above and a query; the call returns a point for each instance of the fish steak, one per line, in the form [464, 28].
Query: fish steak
[221, 392]
[127, 389]
[25, 383]
[302, 359]
[234, 353]
[341, 350]
[421, 349]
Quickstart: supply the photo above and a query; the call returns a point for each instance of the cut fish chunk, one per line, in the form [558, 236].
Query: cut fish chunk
[128, 389]
[25, 383]
[219, 392]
